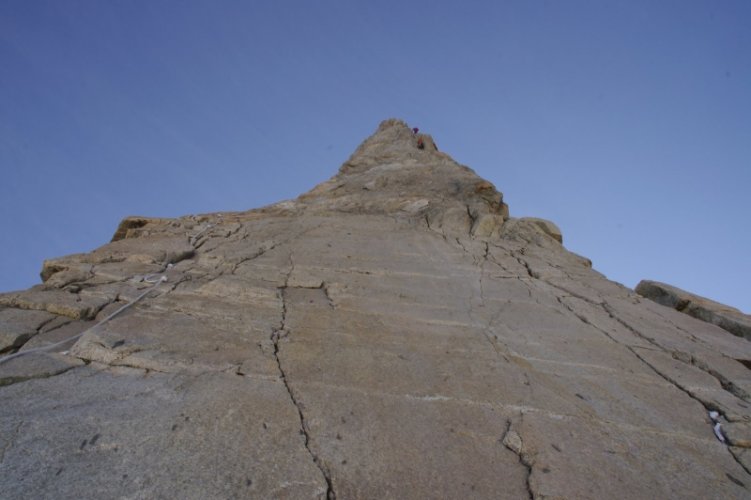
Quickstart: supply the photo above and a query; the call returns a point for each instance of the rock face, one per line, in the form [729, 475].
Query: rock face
[389, 334]
[727, 318]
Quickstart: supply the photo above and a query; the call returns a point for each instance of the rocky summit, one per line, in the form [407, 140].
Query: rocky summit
[391, 333]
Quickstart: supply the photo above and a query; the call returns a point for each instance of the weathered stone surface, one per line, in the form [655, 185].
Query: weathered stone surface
[390, 334]
[726, 317]
[84, 305]
[58, 331]
[124, 434]
[135, 226]
[18, 326]
[545, 226]
[738, 434]
[35, 365]
[133, 256]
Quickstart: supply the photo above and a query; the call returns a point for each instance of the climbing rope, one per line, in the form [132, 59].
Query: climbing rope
[154, 279]
[148, 279]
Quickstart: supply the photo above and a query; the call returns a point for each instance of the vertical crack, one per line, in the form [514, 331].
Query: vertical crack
[471, 220]
[687, 358]
[486, 329]
[325, 287]
[674, 383]
[513, 442]
[276, 336]
[633, 351]
[524, 263]
[607, 308]
[736, 455]
[11, 440]
[725, 383]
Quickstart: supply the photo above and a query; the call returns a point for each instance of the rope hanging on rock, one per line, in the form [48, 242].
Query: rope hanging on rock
[148, 279]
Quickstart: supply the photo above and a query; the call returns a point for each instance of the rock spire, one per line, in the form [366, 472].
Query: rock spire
[392, 333]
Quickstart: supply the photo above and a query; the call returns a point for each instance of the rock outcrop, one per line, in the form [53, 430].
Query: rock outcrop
[390, 334]
[726, 317]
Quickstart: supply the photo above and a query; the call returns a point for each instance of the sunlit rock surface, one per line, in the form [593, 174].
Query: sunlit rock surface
[390, 334]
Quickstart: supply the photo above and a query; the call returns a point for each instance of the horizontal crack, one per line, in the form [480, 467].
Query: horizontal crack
[5, 381]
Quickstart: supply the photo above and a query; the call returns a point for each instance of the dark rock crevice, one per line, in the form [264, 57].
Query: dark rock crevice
[725, 383]
[523, 262]
[325, 287]
[655, 369]
[276, 336]
[486, 328]
[472, 219]
[687, 358]
[610, 311]
[43, 367]
[21, 340]
[728, 318]
[10, 441]
[513, 442]
[193, 239]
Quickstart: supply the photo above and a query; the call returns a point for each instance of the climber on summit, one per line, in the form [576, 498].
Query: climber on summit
[415, 130]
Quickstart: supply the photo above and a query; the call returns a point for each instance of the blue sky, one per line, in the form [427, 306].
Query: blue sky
[628, 123]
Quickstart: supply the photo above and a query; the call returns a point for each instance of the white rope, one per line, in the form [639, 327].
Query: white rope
[123, 308]
[194, 239]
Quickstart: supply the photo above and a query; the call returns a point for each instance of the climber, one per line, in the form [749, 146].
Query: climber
[420, 143]
[415, 130]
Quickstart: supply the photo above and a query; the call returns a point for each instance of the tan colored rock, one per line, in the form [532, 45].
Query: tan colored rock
[18, 326]
[133, 226]
[389, 334]
[726, 317]
[63, 303]
[487, 225]
[738, 433]
[545, 226]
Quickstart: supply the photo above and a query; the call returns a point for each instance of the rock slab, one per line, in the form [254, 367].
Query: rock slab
[726, 317]
[392, 333]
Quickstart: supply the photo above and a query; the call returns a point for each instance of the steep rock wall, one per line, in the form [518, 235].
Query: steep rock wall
[390, 334]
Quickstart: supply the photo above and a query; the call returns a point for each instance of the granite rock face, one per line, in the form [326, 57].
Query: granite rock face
[726, 317]
[390, 334]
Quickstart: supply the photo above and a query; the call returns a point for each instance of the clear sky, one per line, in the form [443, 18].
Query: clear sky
[628, 123]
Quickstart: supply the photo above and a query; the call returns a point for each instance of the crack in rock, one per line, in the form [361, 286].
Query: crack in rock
[513, 442]
[524, 263]
[276, 336]
[472, 220]
[633, 351]
[325, 287]
[687, 358]
[11, 441]
[10, 380]
[486, 329]
[607, 308]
